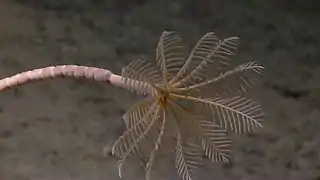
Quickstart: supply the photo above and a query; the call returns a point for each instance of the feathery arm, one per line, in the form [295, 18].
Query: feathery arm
[93, 73]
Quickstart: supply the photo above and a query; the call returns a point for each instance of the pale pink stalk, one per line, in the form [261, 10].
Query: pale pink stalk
[75, 71]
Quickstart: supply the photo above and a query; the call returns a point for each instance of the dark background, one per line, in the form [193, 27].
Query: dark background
[59, 129]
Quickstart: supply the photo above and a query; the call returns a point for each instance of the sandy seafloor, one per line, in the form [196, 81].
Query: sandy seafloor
[59, 129]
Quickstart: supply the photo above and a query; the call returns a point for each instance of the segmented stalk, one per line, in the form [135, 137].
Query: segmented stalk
[75, 71]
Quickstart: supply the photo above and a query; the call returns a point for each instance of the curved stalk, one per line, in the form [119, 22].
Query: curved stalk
[75, 71]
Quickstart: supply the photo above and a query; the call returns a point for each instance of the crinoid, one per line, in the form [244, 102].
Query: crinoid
[195, 100]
